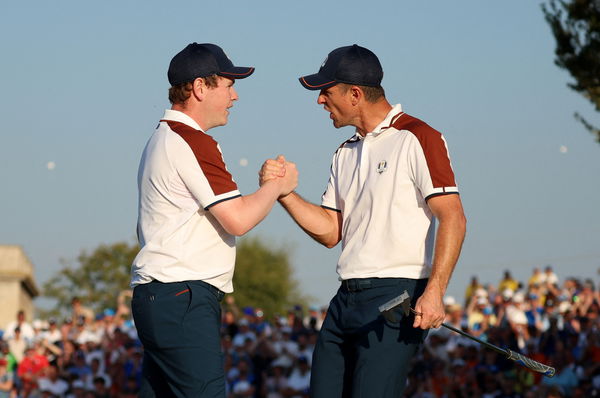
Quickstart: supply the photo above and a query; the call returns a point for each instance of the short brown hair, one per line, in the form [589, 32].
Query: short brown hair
[179, 93]
[372, 94]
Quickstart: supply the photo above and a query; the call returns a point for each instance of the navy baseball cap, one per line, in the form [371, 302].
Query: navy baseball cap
[350, 64]
[202, 60]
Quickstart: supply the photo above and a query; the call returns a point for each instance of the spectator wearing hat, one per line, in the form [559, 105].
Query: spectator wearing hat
[480, 317]
[517, 319]
[244, 333]
[387, 184]
[190, 212]
[52, 333]
[261, 325]
[549, 277]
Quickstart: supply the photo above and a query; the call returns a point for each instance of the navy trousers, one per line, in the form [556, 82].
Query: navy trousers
[359, 353]
[179, 324]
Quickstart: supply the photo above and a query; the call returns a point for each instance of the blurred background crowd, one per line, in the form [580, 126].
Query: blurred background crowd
[550, 320]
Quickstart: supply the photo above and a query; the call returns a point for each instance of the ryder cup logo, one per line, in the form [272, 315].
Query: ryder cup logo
[382, 166]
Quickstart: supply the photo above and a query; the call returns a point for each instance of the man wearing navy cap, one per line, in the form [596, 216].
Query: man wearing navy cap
[388, 185]
[190, 211]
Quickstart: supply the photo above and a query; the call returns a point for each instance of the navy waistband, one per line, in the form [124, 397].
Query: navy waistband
[219, 294]
[215, 291]
[358, 284]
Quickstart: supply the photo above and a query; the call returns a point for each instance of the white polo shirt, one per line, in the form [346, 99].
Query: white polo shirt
[381, 183]
[181, 175]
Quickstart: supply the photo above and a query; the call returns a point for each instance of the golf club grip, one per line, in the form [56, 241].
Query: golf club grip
[530, 363]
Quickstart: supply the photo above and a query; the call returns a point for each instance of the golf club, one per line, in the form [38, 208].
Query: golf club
[403, 302]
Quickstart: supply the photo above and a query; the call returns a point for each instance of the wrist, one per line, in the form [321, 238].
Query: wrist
[283, 199]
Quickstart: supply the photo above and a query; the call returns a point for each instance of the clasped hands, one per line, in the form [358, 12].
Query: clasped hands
[281, 172]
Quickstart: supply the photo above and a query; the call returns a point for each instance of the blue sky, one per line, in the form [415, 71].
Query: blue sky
[83, 85]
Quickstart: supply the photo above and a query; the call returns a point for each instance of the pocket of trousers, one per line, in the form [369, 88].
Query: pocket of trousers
[168, 311]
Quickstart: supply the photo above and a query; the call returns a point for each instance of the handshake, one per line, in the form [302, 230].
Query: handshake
[281, 172]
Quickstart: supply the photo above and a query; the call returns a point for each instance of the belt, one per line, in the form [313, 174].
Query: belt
[358, 284]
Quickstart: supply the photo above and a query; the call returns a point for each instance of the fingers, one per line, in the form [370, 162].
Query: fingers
[418, 318]
[281, 169]
[428, 314]
[270, 170]
[290, 179]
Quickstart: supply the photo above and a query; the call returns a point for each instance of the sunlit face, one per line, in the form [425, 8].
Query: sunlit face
[338, 105]
[217, 102]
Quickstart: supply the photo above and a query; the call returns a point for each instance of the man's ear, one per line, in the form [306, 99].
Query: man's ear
[356, 95]
[199, 88]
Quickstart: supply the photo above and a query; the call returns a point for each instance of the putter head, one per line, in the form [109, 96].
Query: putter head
[402, 302]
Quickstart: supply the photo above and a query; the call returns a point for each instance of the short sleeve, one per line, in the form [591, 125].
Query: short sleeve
[429, 163]
[330, 199]
[201, 166]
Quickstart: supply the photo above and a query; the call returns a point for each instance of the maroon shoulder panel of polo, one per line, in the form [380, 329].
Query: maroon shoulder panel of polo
[207, 154]
[434, 148]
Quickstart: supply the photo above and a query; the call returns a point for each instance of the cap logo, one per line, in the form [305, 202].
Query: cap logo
[382, 166]
[325, 61]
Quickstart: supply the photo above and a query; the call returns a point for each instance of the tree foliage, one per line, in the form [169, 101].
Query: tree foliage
[97, 278]
[263, 277]
[575, 25]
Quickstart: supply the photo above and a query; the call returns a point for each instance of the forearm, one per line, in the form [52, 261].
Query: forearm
[449, 240]
[320, 224]
[244, 213]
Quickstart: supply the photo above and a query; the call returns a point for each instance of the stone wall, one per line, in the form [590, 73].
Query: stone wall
[17, 284]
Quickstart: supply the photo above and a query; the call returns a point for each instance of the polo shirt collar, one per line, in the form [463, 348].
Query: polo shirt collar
[178, 116]
[385, 124]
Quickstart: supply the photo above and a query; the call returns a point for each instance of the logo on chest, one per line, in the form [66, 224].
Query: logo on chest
[382, 166]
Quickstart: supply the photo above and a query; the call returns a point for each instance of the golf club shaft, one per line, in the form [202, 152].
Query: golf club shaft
[510, 354]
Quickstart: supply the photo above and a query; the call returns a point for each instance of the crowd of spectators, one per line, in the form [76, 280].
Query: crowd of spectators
[555, 322]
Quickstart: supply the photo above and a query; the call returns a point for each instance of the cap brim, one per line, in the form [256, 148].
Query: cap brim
[316, 82]
[237, 72]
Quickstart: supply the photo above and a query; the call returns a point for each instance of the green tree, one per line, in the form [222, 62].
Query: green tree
[263, 277]
[97, 279]
[575, 25]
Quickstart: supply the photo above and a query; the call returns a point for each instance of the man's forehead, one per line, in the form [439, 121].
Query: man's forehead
[226, 80]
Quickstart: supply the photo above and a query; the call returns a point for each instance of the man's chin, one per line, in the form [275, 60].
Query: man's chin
[337, 124]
